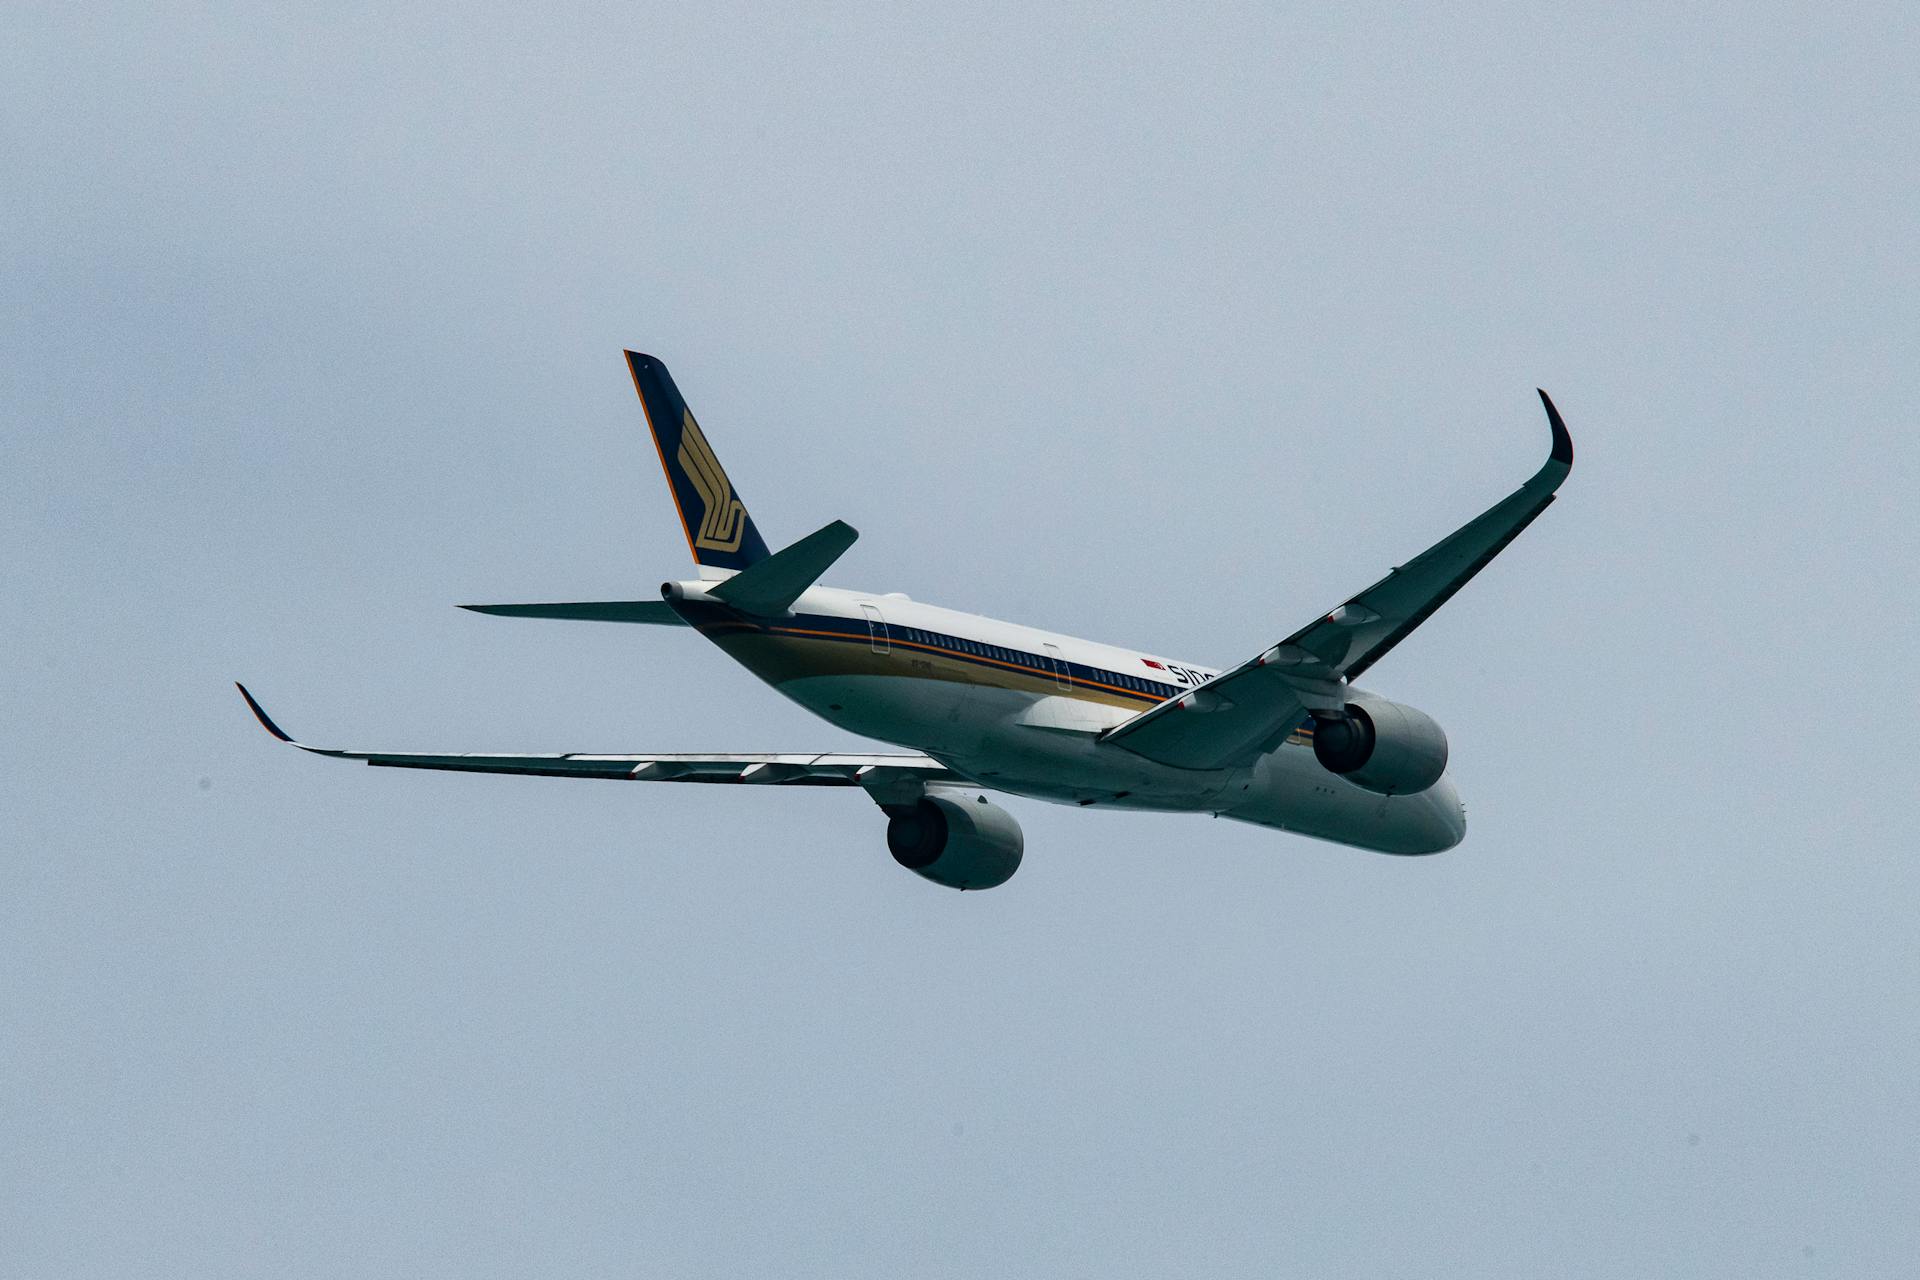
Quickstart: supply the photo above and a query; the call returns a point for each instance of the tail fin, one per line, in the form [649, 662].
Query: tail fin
[719, 531]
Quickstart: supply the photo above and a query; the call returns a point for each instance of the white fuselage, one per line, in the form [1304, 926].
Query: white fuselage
[1020, 710]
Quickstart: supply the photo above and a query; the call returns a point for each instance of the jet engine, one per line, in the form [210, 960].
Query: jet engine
[1385, 747]
[961, 841]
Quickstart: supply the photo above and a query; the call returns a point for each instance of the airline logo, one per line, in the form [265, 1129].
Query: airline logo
[1185, 675]
[723, 520]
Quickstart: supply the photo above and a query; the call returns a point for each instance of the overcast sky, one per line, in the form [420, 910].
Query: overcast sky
[1166, 328]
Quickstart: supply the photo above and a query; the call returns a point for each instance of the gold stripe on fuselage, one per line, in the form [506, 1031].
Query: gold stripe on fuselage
[780, 654]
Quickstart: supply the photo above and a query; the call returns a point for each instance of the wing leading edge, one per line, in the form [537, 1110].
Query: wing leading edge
[1360, 632]
[875, 773]
[1251, 709]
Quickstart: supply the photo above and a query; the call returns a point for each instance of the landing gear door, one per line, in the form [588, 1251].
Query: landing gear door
[876, 628]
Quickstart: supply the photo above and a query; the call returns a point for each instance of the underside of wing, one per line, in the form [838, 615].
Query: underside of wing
[1240, 714]
[878, 774]
[1344, 643]
[1231, 720]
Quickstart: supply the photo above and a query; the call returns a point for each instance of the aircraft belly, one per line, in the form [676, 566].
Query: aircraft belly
[984, 732]
[928, 715]
[1021, 737]
[1071, 766]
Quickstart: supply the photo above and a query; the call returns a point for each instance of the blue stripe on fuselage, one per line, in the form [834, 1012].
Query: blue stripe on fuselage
[712, 619]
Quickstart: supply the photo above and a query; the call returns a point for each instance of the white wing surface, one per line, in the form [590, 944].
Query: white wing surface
[876, 773]
[1243, 713]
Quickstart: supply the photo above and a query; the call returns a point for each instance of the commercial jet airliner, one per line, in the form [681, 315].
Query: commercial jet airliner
[1284, 739]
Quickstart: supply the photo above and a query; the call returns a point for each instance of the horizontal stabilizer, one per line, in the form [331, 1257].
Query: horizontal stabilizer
[770, 587]
[657, 612]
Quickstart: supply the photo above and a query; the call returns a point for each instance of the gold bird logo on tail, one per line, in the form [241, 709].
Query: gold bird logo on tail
[723, 520]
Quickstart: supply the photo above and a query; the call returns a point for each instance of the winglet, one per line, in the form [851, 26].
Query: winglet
[266, 721]
[1562, 442]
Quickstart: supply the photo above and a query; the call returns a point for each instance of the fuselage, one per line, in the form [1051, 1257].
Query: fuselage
[1021, 710]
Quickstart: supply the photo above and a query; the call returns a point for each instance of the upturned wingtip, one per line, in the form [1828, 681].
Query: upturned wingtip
[1562, 441]
[260, 714]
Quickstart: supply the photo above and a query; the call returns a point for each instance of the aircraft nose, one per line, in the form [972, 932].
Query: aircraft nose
[1446, 815]
[1427, 822]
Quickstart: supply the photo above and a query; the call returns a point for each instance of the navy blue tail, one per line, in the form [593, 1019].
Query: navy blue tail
[719, 531]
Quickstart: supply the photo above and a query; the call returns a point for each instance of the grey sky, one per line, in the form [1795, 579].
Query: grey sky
[1166, 328]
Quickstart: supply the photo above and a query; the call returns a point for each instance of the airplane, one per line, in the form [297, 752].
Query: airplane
[1284, 740]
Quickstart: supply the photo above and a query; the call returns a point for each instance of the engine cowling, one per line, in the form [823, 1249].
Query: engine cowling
[1387, 748]
[963, 842]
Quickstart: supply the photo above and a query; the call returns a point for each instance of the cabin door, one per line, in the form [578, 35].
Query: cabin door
[876, 628]
[1059, 664]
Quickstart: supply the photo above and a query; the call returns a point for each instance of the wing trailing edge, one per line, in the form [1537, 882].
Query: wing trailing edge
[885, 777]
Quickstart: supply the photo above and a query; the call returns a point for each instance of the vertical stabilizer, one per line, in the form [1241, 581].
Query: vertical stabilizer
[719, 531]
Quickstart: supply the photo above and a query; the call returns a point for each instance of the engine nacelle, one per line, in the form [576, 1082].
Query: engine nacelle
[1389, 749]
[963, 842]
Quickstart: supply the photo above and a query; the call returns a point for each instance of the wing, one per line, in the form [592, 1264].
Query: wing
[1357, 634]
[1257, 705]
[878, 774]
